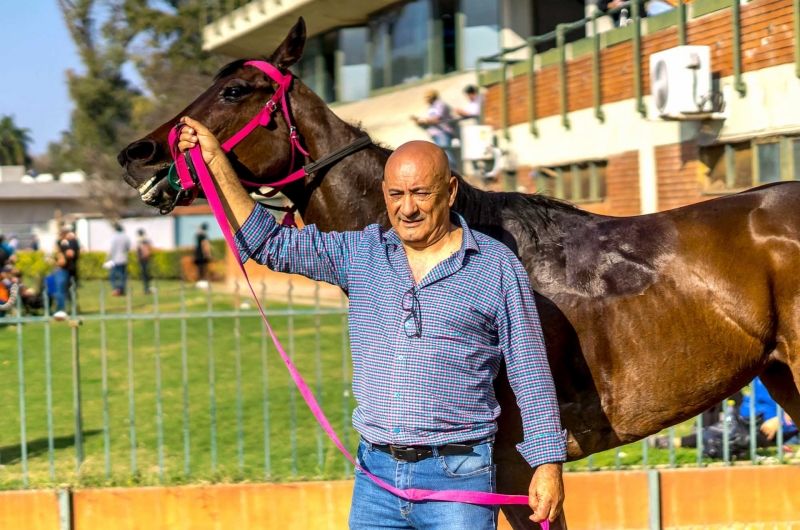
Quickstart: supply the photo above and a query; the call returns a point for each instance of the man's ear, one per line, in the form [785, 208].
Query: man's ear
[291, 49]
[453, 190]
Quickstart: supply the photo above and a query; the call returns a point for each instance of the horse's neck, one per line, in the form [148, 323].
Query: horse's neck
[348, 196]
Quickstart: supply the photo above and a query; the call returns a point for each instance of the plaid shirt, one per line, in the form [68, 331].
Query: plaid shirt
[425, 356]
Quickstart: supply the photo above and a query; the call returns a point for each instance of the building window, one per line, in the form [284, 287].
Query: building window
[317, 67]
[480, 35]
[354, 72]
[409, 42]
[578, 182]
[742, 165]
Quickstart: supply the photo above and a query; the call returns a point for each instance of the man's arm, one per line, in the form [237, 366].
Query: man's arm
[544, 446]
[314, 254]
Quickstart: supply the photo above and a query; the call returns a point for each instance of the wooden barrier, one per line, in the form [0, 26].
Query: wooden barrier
[734, 497]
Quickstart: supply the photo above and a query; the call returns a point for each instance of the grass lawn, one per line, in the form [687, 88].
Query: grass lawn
[335, 395]
[289, 419]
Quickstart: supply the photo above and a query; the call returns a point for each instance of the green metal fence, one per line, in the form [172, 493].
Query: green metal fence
[184, 386]
[176, 386]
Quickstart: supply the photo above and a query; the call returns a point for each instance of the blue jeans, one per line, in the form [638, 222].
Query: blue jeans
[373, 507]
[61, 277]
[119, 277]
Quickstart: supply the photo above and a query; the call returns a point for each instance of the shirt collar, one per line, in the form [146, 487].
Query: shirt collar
[468, 241]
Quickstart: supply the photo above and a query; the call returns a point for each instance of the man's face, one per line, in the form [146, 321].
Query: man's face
[419, 192]
[430, 99]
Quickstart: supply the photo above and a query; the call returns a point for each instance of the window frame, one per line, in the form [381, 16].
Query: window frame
[556, 175]
[786, 162]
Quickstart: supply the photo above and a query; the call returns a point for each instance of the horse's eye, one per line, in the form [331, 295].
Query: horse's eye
[234, 92]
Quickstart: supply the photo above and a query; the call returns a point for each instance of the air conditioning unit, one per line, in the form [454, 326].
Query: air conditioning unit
[477, 142]
[680, 83]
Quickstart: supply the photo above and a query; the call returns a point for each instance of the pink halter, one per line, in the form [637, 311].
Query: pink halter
[182, 163]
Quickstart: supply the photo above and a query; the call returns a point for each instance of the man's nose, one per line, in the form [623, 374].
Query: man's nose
[408, 206]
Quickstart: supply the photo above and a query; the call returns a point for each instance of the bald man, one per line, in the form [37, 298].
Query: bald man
[434, 310]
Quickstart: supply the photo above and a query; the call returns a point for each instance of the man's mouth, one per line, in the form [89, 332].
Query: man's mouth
[411, 224]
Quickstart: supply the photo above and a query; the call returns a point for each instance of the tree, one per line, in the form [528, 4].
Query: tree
[14, 143]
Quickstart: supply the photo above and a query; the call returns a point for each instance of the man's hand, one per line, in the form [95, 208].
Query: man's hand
[194, 133]
[546, 493]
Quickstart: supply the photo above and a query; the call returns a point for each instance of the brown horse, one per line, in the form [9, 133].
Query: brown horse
[648, 320]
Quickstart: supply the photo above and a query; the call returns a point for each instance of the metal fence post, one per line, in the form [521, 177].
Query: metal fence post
[736, 17]
[21, 370]
[75, 323]
[292, 406]
[637, 57]
[64, 509]
[654, 499]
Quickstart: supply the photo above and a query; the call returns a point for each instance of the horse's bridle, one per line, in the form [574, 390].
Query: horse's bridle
[183, 177]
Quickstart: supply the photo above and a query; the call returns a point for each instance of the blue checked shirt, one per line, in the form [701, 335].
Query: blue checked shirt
[425, 356]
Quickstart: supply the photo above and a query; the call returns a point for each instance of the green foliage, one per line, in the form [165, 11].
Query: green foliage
[33, 265]
[14, 142]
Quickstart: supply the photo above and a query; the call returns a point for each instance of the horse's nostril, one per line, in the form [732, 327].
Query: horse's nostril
[143, 150]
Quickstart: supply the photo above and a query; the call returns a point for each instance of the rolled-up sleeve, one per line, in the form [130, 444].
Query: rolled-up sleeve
[322, 256]
[520, 335]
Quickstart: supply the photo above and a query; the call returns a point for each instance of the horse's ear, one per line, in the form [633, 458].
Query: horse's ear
[291, 49]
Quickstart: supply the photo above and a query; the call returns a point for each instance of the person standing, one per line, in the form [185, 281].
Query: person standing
[118, 255]
[472, 110]
[72, 251]
[439, 124]
[202, 253]
[59, 284]
[453, 305]
[34, 246]
[143, 250]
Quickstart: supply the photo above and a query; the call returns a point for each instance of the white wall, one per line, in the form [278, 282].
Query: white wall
[160, 231]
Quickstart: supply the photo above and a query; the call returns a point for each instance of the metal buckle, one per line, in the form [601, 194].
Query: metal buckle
[293, 132]
[407, 454]
[271, 105]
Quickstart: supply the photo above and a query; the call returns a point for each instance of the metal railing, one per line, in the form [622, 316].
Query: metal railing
[181, 386]
[632, 31]
[146, 352]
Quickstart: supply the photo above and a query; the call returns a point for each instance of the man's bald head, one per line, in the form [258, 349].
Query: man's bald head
[419, 191]
[421, 158]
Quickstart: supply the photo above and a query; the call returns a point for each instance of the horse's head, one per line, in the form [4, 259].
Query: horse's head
[239, 92]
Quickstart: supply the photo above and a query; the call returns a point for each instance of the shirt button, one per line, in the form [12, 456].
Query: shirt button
[397, 395]
[396, 430]
[400, 357]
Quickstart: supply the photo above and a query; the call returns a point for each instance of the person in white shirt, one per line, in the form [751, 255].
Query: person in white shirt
[473, 107]
[118, 254]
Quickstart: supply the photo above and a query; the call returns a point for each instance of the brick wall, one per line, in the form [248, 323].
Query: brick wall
[676, 171]
[767, 40]
[622, 186]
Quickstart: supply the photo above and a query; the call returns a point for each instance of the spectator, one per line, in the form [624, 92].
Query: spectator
[767, 422]
[58, 282]
[72, 250]
[202, 253]
[34, 243]
[473, 107]
[5, 251]
[13, 243]
[143, 250]
[118, 255]
[439, 123]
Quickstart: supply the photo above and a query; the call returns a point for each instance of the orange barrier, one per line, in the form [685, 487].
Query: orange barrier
[29, 510]
[740, 497]
[766, 496]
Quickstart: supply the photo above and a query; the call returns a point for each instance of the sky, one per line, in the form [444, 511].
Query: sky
[35, 54]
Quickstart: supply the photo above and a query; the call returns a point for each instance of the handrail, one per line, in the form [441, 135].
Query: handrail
[597, 44]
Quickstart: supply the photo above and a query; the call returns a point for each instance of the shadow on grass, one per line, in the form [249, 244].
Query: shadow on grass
[11, 454]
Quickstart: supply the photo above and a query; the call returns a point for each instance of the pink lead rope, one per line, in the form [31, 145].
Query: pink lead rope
[411, 494]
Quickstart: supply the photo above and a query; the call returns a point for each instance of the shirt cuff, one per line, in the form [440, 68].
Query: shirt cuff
[251, 236]
[544, 448]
